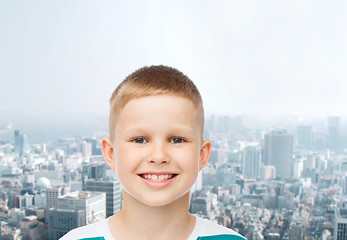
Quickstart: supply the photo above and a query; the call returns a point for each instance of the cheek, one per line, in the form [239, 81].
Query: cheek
[188, 160]
[127, 160]
[126, 163]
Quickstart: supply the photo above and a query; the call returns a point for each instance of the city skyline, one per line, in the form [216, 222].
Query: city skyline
[264, 184]
[43, 131]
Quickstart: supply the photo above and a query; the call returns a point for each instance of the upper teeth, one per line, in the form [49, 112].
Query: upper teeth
[154, 177]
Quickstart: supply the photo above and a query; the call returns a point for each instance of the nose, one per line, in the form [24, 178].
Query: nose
[158, 153]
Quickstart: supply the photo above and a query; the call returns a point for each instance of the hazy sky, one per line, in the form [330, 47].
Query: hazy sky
[64, 58]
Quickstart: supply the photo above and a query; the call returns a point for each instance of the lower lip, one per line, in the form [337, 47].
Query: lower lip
[160, 184]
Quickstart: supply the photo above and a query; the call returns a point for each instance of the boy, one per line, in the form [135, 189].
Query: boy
[156, 146]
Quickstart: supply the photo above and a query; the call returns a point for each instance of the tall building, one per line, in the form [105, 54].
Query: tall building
[113, 193]
[95, 171]
[61, 221]
[93, 203]
[298, 167]
[19, 142]
[296, 230]
[340, 227]
[75, 209]
[85, 148]
[52, 195]
[93, 141]
[304, 133]
[251, 162]
[333, 138]
[278, 151]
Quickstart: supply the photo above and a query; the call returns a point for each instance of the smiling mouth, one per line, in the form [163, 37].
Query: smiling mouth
[157, 177]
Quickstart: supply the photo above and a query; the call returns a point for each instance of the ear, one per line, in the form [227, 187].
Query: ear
[108, 153]
[205, 151]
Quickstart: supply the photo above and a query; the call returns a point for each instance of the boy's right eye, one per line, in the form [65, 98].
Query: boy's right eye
[139, 140]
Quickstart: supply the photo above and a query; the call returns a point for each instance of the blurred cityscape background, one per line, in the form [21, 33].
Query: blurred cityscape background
[272, 75]
[267, 179]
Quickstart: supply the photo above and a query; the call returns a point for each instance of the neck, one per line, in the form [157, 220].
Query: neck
[152, 222]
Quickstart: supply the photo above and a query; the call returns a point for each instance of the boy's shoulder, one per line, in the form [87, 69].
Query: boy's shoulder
[208, 230]
[94, 231]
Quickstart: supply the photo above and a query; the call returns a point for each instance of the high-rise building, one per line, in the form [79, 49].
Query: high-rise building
[340, 227]
[304, 136]
[95, 171]
[251, 162]
[85, 148]
[298, 167]
[296, 230]
[333, 138]
[52, 195]
[19, 142]
[278, 151]
[93, 203]
[93, 142]
[61, 221]
[113, 192]
[75, 209]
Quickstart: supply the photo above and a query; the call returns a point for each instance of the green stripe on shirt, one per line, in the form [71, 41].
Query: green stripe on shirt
[93, 238]
[221, 237]
[215, 237]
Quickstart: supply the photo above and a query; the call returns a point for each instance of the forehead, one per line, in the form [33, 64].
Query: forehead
[159, 111]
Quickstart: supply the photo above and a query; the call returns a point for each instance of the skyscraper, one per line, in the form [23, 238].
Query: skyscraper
[304, 136]
[93, 142]
[93, 203]
[19, 139]
[296, 230]
[251, 161]
[95, 171]
[61, 220]
[333, 138]
[340, 228]
[52, 195]
[278, 151]
[113, 192]
[74, 210]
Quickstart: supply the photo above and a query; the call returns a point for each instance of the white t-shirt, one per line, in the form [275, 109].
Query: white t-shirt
[203, 230]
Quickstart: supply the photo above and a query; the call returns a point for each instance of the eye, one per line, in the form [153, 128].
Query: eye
[177, 140]
[139, 140]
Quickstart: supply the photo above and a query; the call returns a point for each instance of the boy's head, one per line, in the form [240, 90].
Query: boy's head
[156, 131]
[151, 81]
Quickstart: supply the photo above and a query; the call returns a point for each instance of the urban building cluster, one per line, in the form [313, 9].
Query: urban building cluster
[265, 180]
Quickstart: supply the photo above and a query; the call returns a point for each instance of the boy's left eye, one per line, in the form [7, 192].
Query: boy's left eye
[176, 140]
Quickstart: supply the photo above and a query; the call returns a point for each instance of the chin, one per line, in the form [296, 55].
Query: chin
[158, 202]
[161, 201]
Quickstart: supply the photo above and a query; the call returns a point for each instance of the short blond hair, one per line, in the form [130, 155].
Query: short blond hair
[150, 81]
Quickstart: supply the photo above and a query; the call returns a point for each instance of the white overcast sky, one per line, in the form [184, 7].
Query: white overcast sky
[64, 58]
